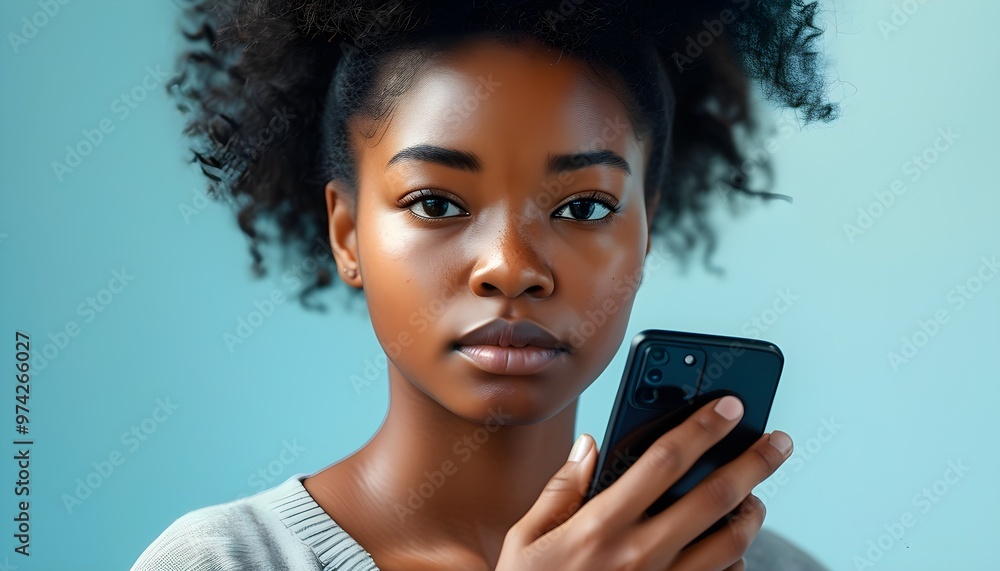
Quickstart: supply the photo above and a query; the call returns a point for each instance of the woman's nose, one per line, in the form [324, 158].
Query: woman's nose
[513, 263]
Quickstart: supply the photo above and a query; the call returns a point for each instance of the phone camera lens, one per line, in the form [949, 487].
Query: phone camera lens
[654, 376]
[689, 359]
[658, 356]
[648, 396]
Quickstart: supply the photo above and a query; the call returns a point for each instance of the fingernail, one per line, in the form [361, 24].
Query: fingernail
[729, 407]
[579, 450]
[782, 442]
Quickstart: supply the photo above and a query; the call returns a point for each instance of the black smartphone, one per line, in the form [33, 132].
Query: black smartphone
[668, 376]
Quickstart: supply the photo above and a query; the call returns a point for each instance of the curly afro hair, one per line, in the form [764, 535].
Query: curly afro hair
[268, 87]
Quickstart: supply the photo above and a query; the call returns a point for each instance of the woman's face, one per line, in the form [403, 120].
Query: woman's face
[465, 215]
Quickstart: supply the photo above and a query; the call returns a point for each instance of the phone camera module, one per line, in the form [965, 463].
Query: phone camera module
[658, 356]
[689, 360]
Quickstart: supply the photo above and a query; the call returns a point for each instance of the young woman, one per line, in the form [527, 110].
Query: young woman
[489, 176]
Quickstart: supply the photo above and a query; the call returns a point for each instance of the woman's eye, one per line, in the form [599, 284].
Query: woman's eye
[435, 207]
[585, 210]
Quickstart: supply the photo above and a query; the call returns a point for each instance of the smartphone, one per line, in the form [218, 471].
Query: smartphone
[668, 376]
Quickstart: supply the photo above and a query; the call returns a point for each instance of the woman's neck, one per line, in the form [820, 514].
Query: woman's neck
[430, 482]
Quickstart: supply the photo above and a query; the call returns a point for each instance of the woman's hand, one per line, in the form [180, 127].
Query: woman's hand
[611, 531]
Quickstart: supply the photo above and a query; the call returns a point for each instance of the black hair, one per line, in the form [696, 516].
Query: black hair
[268, 87]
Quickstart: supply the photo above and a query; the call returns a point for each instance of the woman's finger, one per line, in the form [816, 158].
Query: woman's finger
[666, 460]
[562, 495]
[724, 549]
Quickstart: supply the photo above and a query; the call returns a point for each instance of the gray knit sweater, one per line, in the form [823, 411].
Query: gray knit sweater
[283, 529]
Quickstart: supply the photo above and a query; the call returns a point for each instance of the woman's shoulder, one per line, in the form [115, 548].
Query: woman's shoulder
[771, 551]
[244, 534]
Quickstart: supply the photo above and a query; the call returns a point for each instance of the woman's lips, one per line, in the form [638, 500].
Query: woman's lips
[509, 360]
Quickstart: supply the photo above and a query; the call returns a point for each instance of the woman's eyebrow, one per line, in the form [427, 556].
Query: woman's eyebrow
[466, 161]
[575, 161]
[453, 158]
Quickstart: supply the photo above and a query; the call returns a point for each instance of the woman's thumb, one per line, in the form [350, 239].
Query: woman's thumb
[564, 492]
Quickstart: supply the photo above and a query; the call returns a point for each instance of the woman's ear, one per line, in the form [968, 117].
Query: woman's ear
[341, 212]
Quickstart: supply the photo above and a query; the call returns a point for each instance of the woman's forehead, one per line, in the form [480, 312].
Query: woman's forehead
[507, 101]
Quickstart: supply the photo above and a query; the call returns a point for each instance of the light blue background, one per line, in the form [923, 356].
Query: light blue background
[161, 337]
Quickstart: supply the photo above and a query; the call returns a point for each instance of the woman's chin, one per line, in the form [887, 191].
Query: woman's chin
[508, 404]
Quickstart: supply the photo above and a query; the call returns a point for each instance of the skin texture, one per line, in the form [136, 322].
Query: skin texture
[494, 439]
